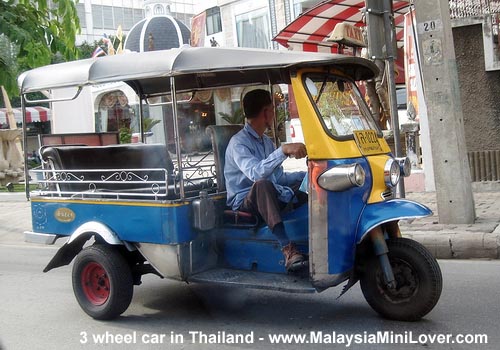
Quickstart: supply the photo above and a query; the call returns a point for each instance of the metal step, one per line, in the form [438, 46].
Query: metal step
[258, 280]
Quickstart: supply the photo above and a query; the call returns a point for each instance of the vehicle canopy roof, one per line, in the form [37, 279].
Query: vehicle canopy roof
[195, 68]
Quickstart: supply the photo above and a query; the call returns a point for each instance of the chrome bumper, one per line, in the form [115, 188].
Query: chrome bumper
[41, 238]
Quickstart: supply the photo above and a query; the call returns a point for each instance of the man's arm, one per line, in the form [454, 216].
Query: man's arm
[297, 150]
[291, 178]
[254, 168]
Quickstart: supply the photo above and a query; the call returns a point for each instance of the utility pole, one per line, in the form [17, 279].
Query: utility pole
[382, 50]
[455, 202]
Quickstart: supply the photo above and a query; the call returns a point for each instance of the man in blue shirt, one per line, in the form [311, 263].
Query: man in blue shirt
[255, 180]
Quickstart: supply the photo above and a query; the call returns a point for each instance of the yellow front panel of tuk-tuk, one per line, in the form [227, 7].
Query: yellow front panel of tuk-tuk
[377, 164]
[319, 144]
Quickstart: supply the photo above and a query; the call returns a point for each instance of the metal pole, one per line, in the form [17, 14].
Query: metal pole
[390, 38]
[177, 138]
[25, 149]
[141, 120]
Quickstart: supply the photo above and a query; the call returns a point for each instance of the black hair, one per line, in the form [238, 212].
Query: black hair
[254, 101]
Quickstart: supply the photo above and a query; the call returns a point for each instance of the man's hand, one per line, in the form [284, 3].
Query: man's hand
[297, 150]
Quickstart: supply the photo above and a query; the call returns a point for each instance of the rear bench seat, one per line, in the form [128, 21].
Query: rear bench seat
[114, 160]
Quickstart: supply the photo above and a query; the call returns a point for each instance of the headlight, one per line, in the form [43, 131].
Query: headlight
[391, 172]
[404, 166]
[342, 177]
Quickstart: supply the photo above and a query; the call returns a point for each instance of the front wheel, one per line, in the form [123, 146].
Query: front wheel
[418, 282]
[102, 282]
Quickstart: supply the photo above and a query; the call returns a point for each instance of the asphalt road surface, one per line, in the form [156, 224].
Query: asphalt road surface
[39, 311]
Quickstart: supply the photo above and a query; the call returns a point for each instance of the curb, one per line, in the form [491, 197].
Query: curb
[460, 245]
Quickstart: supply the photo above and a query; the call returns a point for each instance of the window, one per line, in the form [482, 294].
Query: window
[339, 104]
[158, 10]
[80, 11]
[128, 18]
[97, 16]
[252, 29]
[490, 24]
[114, 112]
[107, 17]
[300, 6]
[118, 16]
[214, 23]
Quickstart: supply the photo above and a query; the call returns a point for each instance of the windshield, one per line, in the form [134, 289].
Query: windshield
[339, 104]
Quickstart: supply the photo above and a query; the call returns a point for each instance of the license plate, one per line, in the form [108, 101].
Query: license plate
[367, 142]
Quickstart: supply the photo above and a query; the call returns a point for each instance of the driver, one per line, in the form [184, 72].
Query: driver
[255, 180]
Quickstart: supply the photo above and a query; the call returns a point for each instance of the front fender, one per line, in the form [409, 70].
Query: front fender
[376, 214]
[78, 238]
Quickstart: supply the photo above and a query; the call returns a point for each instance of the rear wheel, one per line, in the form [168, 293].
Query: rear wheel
[102, 282]
[418, 282]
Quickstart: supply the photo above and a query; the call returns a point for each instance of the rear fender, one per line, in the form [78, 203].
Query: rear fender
[76, 241]
[376, 214]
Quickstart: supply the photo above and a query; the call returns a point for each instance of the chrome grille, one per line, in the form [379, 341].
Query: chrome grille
[387, 194]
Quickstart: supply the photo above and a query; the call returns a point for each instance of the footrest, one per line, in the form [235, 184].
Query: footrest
[240, 219]
[256, 280]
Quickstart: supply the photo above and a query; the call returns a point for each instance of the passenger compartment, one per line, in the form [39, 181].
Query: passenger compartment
[126, 171]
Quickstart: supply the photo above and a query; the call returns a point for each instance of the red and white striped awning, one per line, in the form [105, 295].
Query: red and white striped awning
[33, 114]
[311, 29]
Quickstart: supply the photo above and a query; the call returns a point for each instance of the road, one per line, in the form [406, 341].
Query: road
[38, 311]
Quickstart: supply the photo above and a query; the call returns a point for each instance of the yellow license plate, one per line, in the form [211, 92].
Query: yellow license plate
[367, 142]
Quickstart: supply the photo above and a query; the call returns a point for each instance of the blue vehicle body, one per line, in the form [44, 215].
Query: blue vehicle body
[150, 222]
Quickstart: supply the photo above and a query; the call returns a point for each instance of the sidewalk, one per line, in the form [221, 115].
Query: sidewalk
[478, 240]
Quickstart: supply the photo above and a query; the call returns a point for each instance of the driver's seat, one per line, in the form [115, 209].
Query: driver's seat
[220, 136]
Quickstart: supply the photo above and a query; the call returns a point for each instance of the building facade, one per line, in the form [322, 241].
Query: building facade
[99, 17]
[244, 23]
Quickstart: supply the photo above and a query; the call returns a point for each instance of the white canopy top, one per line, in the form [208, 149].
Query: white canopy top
[194, 68]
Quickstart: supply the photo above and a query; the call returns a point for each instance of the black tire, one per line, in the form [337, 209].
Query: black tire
[102, 282]
[418, 278]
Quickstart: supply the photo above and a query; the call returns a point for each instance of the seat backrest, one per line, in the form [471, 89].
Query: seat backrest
[109, 160]
[220, 136]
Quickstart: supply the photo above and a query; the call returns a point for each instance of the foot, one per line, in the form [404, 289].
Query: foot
[293, 258]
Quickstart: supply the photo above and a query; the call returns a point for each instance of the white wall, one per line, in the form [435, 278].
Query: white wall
[72, 116]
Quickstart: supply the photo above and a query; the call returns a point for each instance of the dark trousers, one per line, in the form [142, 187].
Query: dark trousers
[263, 200]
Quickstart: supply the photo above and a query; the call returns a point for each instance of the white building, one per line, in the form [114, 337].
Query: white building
[110, 105]
[99, 17]
[244, 23]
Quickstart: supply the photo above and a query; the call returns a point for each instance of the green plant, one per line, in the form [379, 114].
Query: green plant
[125, 135]
[149, 123]
[236, 118]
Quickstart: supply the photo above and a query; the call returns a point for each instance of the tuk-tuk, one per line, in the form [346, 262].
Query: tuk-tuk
[131, 209]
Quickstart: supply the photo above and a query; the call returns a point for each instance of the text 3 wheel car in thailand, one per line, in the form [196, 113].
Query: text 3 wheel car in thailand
[158, 205]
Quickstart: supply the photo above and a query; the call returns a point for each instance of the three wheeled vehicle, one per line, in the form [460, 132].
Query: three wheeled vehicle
[160, 207]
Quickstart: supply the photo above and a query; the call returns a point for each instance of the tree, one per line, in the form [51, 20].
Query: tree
[31, 33]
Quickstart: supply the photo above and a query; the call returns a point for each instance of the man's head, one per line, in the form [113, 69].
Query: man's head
[255, 101]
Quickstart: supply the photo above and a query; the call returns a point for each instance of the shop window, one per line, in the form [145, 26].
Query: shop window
[115, 113]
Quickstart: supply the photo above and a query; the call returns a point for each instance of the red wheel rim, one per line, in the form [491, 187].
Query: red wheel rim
[95, 283]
